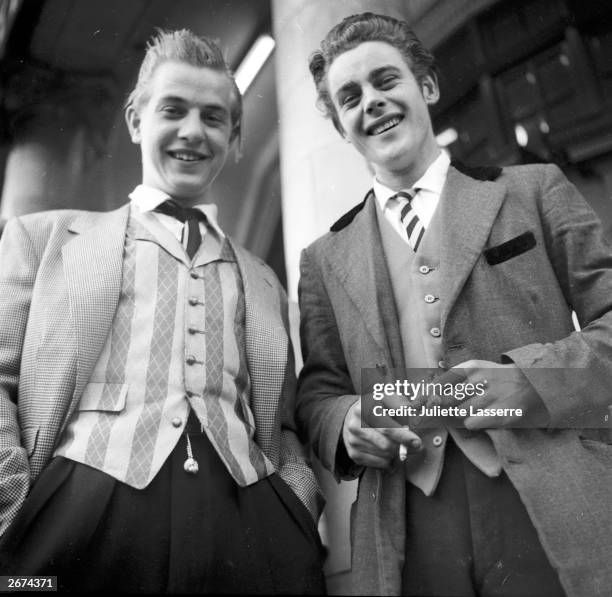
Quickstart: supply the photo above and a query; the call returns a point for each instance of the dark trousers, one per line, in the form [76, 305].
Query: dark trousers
[181, 534]
[473, 537]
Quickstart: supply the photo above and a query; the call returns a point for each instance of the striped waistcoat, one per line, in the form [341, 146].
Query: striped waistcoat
[176, 342]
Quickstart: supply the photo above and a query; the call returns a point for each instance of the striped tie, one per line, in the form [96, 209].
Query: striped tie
[410, 221]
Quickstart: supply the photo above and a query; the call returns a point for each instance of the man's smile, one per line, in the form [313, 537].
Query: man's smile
[186, 155]
[384, 125]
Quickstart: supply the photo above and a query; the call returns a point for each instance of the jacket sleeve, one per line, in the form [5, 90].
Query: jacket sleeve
[294, 464]
[325, 390]
[573, 375]
[18, 267]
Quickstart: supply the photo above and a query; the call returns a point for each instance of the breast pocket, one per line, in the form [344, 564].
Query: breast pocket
[102, 396]
[512, 248]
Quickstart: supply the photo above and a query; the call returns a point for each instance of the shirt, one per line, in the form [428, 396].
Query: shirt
[430, 187]
[146, 199]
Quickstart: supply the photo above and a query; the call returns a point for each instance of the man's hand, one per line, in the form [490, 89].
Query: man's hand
[506, 387]
[375, 446]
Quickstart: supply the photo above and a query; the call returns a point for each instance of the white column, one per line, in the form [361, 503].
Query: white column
[322, 175]
[322, 178]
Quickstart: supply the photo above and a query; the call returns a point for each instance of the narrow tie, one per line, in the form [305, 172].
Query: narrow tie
[409, 218]
[191, 217]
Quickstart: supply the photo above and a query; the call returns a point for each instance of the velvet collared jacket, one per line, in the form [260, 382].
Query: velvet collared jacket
[521, 250]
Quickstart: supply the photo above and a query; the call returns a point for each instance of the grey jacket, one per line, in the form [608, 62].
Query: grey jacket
[519, 307]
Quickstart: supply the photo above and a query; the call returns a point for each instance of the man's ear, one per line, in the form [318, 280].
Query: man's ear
[430, 89]
[235, 145]
[132, 119]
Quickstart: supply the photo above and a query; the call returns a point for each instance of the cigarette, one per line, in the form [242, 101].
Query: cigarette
[403, 452]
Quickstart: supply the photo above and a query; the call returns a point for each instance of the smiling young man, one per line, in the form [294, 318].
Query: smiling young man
[146, 374]
[395, 132]
[479, 270]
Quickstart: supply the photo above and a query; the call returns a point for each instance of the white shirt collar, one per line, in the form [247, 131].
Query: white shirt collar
[432, 180]
[146, 199]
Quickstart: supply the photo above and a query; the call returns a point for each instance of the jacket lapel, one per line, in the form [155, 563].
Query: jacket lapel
[469, 208]
[358, 262]
[93, 269]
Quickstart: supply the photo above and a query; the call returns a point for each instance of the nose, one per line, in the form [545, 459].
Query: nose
[373, 100]
[191, 128]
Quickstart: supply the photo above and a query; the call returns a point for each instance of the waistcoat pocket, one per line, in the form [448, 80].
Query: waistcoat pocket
[103, 396]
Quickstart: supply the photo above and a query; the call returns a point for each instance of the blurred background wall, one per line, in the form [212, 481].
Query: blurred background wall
[522, 81]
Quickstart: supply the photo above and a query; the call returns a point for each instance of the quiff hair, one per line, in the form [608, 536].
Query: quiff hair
[184, 46]
[360, 28]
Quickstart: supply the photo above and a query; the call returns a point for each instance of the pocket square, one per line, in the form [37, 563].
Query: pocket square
[511, 248]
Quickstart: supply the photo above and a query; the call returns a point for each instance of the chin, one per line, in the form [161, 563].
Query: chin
[187, 192]
[394, 162]
[192, 186]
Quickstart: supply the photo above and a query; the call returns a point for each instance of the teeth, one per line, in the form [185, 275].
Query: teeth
[187, 157]
[381, 128]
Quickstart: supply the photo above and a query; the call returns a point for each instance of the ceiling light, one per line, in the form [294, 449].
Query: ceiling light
[521, 134]
[253, 61]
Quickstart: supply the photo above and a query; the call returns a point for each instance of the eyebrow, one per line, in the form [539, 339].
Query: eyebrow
[377, 72]
[181, 100]
[171, 98]
[345, 89]
[382, 69]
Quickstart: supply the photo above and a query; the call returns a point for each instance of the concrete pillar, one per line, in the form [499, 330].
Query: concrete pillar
[58, 129]
[322, 176]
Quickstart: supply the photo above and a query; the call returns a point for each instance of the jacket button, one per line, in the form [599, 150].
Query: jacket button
[435, 332]
[429, 298]
[194, 274]
[193, 301]
[442, 364]
[437, 441]
[424, 269]
[177, 422]
[190, 360]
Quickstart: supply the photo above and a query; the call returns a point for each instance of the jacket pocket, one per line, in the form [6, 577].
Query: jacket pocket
[29, 435]
[512, 248]
[103, 397]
